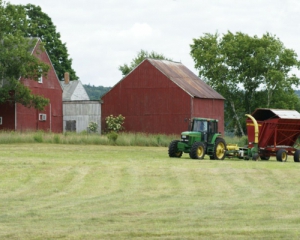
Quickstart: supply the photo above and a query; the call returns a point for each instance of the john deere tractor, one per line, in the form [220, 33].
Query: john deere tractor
[203, 138]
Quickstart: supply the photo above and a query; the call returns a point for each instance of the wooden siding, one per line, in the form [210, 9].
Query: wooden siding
[83, 112]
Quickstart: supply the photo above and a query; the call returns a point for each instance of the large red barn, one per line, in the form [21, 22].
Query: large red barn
[17, 117]
[160, 96]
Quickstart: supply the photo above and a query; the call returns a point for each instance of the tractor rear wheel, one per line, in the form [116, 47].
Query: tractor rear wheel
[297, 156]
[173, 150]
[197, 150]
[220, 149]
[281, 155]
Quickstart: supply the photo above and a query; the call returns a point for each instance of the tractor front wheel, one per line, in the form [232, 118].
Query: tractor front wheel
[281, 155]
[197, 150]
[173, 150]
[220, 149]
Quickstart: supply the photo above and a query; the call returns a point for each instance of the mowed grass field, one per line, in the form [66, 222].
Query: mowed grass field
[57, 191]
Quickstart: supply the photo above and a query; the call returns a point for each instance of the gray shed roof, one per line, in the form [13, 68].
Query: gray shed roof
[73, 90]
[185, 79]
[68, 89]
[262, 114]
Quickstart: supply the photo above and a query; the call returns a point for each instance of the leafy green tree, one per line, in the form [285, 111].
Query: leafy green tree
[249, 72]
[125, 69]
[16, 60]
[36, 23]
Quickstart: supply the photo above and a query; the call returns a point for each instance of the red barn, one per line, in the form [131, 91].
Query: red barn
[17, 117]
[160, 96]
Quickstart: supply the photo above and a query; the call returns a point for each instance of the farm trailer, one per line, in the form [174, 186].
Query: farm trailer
[271, 132]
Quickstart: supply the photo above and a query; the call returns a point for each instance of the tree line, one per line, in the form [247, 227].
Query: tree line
[95, 92]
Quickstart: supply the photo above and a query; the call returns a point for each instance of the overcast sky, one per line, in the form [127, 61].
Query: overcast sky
[102, 35]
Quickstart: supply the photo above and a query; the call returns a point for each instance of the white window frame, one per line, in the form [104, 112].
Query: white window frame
[40, 79]
[42, 117]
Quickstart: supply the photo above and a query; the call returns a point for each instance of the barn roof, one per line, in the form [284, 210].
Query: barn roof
[185, 79]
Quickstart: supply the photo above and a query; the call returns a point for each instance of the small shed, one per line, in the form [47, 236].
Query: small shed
[78, 110]
[161, 96]
[78, 115]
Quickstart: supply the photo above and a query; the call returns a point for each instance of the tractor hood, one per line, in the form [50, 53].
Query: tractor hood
[188, 133]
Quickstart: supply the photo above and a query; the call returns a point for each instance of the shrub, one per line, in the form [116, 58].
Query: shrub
[93, 127]
[115, 123]
[112, 136]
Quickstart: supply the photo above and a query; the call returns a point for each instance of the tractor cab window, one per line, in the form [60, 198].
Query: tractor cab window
[213, 127]
[199, 126]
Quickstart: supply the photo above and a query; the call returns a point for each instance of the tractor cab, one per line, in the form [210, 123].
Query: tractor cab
[207, 128]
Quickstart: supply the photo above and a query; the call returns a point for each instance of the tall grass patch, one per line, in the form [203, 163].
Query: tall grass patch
[121, 138]
[87, 138]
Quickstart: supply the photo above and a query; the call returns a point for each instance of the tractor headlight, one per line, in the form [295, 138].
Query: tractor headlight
[184, 138]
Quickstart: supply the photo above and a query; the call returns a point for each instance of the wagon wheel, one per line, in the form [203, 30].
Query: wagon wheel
[297, 156]
[281, 155]
[255, 156]
[197, 150]
[220, 149]
[264, 156]
[173, 151]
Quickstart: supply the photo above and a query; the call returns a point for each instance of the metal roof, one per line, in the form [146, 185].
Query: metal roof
[262, 114]
[72, 91]
[185, 79]
[68, 89]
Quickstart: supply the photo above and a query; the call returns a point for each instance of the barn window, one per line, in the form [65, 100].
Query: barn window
[0, 120]
[40, 79]
[42, 117]
[71, 126]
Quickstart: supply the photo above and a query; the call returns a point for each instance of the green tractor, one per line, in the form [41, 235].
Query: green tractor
[203, 138]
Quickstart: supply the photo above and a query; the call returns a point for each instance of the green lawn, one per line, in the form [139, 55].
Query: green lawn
[57, 191]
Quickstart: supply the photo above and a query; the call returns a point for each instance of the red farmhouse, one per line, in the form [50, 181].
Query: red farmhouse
[17, 117]
[160, 96]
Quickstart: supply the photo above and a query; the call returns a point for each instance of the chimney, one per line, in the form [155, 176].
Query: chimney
[67, 78]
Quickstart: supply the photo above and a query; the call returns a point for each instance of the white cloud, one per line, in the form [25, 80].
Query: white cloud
[138, 30]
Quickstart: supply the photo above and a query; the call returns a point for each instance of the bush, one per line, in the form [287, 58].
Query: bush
[93, 127]
[115, 124]
[112, 136]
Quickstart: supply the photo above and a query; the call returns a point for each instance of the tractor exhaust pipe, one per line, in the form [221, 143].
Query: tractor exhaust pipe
[255, 127]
